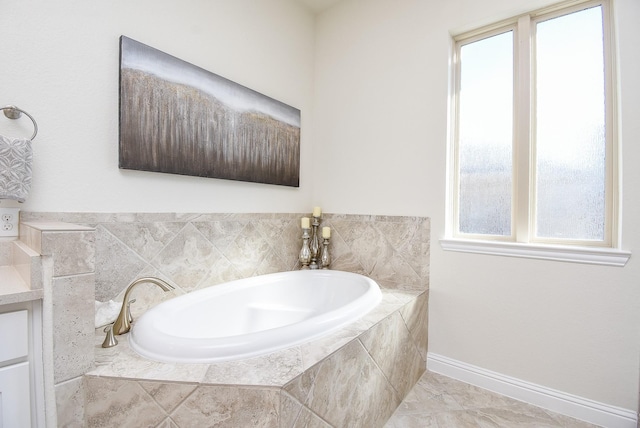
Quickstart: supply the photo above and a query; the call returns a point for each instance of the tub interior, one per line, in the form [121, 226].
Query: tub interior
[253, 316]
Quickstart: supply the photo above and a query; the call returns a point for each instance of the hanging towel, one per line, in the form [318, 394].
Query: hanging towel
[15, 168]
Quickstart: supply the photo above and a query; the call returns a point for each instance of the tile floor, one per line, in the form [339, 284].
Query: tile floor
[441, 402]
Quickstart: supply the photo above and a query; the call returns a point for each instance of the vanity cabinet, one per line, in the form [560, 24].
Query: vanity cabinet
[15, 393]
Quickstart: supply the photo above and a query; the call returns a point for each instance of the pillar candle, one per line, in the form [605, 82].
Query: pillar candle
[317, 211]
[305, 222]
[326, 232]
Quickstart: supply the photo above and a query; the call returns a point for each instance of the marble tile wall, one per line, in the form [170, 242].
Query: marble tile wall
[193, 251]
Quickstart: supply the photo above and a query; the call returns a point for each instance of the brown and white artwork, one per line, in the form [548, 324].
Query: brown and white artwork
[181, 119]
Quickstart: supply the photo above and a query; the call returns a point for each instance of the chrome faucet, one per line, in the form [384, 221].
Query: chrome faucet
[124, 320]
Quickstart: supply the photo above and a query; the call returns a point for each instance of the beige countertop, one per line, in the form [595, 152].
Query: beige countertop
[13, 289]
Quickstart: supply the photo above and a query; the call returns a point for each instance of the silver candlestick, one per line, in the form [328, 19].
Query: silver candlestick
[305, 251]
[314, 245]
[325, 260]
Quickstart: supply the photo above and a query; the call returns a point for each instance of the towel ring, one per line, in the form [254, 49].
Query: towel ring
[13, 112]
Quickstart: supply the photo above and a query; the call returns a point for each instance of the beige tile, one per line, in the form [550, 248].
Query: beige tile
[73, 317]
[289, 410]
[122, 362]
[332, 394]
[412, 421]
[145, 239]
[273, 369]
[116, 265]
[119, 403]
[168, 395]
[221, 271]
[273, 262]
[416, 316]
[391, 347]
[317, 350]
[167, 423]
[70, 403]
[440, 401]
[369, 245]
[307, 419]
[220, 233]
[458, 419]
[283, 235]
[247, 251]
[187, 259]
[73, 252]
[569, 422]
[473, 397]
[530, 416]
[231, 407]
[300, 387]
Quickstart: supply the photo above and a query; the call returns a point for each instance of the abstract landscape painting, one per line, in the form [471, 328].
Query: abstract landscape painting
[181, 119]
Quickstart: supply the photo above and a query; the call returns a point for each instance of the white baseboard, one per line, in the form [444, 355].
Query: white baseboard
[556, 401]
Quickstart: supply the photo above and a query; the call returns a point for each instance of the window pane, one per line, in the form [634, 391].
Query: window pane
[570, 127]
[485, 136]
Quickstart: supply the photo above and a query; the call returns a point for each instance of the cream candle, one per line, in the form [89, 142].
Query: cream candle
[305, 222]
[326, 232]
[317, 211]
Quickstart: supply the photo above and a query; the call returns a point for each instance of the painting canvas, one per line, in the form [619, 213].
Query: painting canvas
[178, 118]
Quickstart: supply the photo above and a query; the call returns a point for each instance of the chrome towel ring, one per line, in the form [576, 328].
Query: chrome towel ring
[13, 112]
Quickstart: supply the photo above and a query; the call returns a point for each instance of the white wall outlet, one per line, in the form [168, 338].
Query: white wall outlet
[9, 219]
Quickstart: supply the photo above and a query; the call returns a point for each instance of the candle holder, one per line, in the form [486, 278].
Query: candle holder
[314, 244]
[325, 260]
[305, 251]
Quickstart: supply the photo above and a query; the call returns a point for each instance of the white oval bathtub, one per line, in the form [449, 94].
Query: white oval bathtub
[253, 316]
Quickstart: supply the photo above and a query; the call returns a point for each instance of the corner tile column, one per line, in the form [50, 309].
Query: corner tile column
[68, 265]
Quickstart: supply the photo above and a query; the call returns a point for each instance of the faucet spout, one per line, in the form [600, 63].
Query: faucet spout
[124, 320]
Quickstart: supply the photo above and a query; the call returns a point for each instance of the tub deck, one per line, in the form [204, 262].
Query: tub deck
[371, 364]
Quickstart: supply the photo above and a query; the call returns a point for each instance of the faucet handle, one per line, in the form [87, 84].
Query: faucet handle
[110, 340]
[129, 316]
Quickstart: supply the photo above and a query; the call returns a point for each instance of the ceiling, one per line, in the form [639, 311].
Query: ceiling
[318, 5]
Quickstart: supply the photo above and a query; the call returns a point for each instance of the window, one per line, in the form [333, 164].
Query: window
[533, 155]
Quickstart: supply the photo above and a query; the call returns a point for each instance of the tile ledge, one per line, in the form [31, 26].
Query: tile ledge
[56, 226]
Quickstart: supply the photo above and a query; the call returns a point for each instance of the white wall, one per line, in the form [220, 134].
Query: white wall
[60, 62]
[381, 131]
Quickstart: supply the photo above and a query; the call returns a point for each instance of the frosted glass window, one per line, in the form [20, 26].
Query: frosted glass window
[486, 134]
[533, 140]
[570, 127]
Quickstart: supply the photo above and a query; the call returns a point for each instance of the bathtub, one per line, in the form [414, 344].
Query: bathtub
[253, 316]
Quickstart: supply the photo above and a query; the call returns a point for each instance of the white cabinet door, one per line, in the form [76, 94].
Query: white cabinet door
[14, 335]
[15, 400]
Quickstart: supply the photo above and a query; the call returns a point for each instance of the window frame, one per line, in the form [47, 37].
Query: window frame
[522, 241]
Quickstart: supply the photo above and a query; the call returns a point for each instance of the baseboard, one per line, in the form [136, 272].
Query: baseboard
[556, 401]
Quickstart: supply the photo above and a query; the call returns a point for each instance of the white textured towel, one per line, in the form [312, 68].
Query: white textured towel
[15, 168]
[106, 312]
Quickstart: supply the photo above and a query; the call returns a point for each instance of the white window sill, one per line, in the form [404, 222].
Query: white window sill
[589, 255]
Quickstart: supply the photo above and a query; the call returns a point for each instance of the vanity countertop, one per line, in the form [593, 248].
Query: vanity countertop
[13, 289]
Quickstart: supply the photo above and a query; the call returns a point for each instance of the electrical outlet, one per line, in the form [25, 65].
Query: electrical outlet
[9, 219]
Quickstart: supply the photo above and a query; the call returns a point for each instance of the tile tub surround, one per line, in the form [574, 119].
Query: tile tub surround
[193, 251]
[355, 377]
